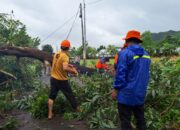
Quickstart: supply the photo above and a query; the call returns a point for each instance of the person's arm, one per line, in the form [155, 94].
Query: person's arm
[121, 72]
[68, 67]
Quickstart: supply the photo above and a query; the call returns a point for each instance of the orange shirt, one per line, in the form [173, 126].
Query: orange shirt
[57, 66]
[100, 65]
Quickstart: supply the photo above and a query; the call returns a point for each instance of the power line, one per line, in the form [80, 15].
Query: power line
[72, 24]
[52, 33]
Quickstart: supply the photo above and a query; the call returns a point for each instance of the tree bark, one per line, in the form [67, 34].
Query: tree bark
[40, 55]
[26, 52]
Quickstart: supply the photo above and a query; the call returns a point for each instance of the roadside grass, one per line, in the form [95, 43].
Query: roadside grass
[92, 62]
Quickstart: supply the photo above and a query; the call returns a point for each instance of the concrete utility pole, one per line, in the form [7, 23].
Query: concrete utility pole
[86, 44]
[83, 35]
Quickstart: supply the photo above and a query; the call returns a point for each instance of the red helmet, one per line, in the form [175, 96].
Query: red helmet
[65, 43]
[133, 34]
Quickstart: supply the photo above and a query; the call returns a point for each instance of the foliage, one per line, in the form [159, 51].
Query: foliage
[10, 124]
[112, 49]
[47, 48]
[101, 47]
[13, 33]
[91, 52]
[38, 104]
[162, 102]
[162, 35]
[96, 101]
[166, 47]
[6, 103]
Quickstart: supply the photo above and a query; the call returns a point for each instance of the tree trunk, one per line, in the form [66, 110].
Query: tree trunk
[26, 52]
[38, 54]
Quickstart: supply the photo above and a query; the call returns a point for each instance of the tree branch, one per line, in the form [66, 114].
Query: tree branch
[38, 54]
[26, 52]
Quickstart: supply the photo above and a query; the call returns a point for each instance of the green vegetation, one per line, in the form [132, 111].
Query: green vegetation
[162, 109]
[27, 71]
[166, 47]
[98, 109]
[162, 35]
[47, 48]
[10, 124]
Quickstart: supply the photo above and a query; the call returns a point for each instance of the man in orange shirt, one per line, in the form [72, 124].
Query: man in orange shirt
[101, 64]
[59, 78]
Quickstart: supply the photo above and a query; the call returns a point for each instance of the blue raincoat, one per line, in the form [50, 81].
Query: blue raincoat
[132, 75]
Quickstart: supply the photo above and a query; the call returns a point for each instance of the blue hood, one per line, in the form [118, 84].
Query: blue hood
[137, 49]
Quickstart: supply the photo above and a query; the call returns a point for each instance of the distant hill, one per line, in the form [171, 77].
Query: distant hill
[161, 35]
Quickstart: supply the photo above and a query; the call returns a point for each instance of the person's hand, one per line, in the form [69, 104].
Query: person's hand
[114, 94]
[75, 75]
[70, 65]
[75, 72]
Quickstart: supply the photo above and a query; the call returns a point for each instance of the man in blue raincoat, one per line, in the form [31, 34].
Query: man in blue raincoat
[131, 81]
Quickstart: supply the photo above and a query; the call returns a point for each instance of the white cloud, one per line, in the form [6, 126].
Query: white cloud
[107, 21]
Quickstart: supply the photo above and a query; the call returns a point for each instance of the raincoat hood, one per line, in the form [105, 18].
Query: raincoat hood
[137, 49]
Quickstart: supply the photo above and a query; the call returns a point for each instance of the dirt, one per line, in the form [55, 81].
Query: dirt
[26, 122]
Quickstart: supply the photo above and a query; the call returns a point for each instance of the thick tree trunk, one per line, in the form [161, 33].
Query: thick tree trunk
[26, 52]
[38, 54]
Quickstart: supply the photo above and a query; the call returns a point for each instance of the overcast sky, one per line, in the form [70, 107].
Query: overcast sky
[107, 20]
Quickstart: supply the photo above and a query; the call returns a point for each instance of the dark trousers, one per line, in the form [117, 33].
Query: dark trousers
[125, 113]
[64, 86]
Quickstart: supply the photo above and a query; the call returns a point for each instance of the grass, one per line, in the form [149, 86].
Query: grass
[92, 62]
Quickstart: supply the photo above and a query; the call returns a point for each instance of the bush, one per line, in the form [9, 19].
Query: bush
[162, 101]
[39, 108]
[10, 124]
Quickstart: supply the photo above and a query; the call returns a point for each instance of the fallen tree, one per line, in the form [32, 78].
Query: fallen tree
[37, 54]
[26, 52]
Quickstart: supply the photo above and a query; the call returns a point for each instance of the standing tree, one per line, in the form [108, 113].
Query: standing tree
[91, 52]
[47, 48]
[101, 47]
[112, 50]
[148, 43]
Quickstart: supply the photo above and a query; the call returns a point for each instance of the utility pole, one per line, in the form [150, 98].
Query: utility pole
[83, 39]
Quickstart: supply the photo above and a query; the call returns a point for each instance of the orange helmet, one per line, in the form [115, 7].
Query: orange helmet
[133, 34]
[66, 43]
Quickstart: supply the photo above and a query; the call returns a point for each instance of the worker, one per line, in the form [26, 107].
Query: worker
[116, 56]
[77, 60]
[101, 65]
[131, 81]
[59, 78]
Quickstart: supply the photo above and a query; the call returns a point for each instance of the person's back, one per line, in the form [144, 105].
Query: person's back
[59, 78]
[131, 81]
[57, 67]
[137, 75]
